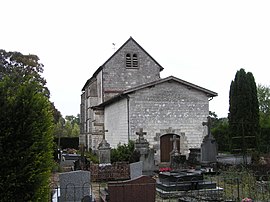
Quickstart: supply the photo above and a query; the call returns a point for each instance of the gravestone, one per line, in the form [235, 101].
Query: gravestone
[136, 169]
[194, 157]
[174, 154]
[181, 181]
[146, 154]
[141, 144]
[209, 145]
[141, 189]
[175, 151]
[82, 163]
[104, 152]
[74, 186]
[86, 199]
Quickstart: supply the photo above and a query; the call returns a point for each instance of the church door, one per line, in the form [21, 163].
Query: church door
[166, 146]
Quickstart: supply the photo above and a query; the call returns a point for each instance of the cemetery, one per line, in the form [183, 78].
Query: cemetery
[204, 176]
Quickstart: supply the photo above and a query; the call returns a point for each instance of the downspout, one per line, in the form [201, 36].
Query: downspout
[128, 117]
[101, 87]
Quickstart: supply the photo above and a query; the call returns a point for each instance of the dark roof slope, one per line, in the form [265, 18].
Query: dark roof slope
[101, 67]
[170, 78]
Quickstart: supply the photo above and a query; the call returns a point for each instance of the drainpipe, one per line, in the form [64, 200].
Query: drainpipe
[128, 117]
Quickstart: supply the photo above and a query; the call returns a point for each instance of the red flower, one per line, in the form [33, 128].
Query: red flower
[164, 169]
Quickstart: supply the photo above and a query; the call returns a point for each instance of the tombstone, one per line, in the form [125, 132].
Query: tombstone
[181, 182]
[178, 162]
[175, 151]
[136, 169]
[146, 154]
[174, 154]
[141, 189]
[86, 199]
[74, 185]
[82, 164]
[194, 157]
[209, 145]
[104, 152]
[141, 144]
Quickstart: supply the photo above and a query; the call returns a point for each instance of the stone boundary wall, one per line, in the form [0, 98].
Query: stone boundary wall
[116, 171]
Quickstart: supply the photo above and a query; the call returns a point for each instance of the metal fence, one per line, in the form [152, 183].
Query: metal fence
[229, 187]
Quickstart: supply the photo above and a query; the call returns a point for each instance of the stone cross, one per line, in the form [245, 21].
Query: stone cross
[141, 134]
[208, 124]
[174, 140]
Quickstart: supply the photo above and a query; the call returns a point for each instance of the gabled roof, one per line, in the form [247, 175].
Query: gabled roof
[209, 93]
[101, 67]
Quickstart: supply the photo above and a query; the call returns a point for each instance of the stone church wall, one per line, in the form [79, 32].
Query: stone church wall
[117, 77]
[116, 122]
[169, 105]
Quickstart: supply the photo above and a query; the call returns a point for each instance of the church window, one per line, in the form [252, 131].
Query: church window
[131, 60]
[128, 60]
[135, 60]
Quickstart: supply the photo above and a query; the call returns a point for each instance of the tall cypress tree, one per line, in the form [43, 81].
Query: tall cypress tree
[244, 112]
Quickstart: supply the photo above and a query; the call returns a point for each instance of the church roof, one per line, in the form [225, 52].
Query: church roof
[189, 85]
[101, 67]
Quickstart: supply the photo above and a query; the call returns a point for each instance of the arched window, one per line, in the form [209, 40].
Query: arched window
[128, 60]
[134, 60]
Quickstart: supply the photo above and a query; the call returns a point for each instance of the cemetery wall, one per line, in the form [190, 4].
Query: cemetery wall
[116, 171]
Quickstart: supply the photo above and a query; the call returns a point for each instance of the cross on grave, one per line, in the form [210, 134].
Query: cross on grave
[141, 134]
[174, 140]
[208, 124]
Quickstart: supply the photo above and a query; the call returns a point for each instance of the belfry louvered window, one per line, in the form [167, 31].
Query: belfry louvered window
[131, 60]
[134, 60]
[128, 60]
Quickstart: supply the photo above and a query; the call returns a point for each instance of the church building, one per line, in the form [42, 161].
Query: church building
[126, 95]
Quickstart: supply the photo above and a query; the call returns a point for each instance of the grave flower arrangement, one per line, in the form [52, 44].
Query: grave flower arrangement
[246, 200]
[167, 169]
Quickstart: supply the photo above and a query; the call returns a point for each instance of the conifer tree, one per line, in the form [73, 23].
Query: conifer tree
[25, 129]
[244, 112]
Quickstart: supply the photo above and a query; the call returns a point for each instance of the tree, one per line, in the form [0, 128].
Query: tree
[25, 129]
[21, 68]
[243, 112]
[220, 131]
[56, 114]
[73, 120]
[68, 127]
[264, 107]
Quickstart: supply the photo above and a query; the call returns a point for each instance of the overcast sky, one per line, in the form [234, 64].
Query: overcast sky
[203, 42]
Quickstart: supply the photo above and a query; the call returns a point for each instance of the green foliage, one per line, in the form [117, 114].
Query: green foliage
[26, 142]
[122, 152]
[239, 180]
[73, 120]
[25, 129]
[244, 112]
[68, 127]
[220, 131]
[264, 105]
[91, 157]
[21, 68]
[56, 114]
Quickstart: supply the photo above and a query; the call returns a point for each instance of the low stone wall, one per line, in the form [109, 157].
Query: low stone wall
[116, 171]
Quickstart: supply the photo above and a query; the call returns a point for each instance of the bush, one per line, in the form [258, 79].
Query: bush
[124, 152]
